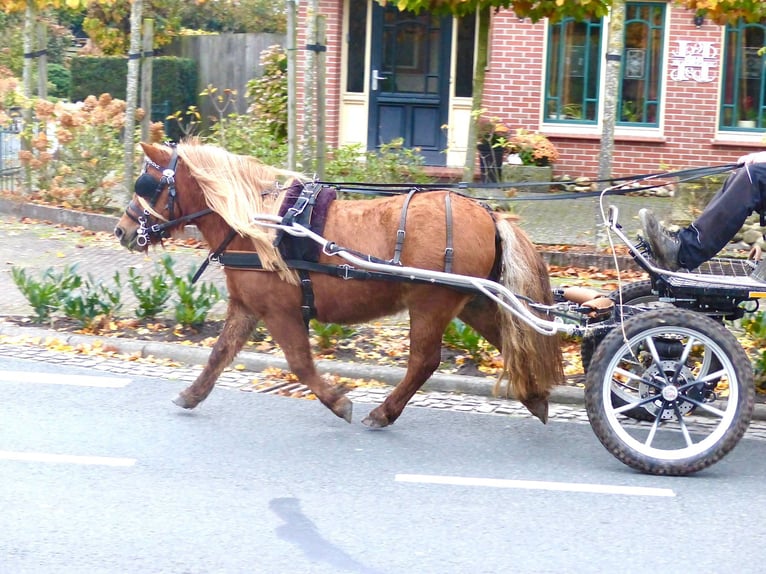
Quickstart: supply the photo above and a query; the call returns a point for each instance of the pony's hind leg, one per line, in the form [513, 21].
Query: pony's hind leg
[237, 329]
[483, 316]
[290, 334]
[428, 320]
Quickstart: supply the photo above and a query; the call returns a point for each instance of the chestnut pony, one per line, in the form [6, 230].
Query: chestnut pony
[219, 192]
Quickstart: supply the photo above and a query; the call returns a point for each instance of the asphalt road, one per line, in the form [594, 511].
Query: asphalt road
[114, 478]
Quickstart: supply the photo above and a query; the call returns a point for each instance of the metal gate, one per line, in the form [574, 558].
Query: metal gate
[10, 167]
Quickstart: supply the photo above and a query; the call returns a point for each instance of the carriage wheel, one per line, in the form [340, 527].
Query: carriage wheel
[636, 293]
[660, 361]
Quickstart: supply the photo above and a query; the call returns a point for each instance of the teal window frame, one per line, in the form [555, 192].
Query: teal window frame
[640, 98]
[743, 78]
[584, 63]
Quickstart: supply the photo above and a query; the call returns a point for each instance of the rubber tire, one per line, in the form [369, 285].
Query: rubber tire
[596, 383]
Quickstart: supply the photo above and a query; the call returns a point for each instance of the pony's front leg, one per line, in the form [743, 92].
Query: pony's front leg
[237, 329]
[290, 334]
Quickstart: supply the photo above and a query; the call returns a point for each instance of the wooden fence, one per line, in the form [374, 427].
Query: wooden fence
[225, 61]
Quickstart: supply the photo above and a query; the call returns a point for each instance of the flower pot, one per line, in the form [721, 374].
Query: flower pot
[528, 174]
[490, 162]
[746, 123]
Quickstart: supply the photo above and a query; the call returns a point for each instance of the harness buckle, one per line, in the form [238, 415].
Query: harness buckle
[400, 233]
[345, 271]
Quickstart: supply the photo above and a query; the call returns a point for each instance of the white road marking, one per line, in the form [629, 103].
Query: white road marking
[61, 379]
[65, 458]
[535, 485]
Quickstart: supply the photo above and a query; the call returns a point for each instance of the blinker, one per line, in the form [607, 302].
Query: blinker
[146, 186]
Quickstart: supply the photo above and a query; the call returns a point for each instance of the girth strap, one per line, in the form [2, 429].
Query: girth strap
[400, 233]
[307, 290]
[449, 253]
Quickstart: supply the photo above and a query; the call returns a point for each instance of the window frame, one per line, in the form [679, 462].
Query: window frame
[647, 131]
[729, 106]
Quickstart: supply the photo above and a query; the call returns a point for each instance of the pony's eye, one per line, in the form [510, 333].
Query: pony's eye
[146, 185]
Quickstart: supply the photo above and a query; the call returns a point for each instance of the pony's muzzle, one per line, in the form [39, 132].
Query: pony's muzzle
[127, 240]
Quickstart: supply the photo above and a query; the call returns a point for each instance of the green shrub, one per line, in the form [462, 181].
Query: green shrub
[327, 335]
[463, 337]
[153, 296]
[60, 81]
[194, 300]
[45, 295]
[93, 299]
[268, 93]
[755, 326]
[392, 163]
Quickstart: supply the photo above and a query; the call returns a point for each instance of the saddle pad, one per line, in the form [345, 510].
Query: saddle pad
[313, 216]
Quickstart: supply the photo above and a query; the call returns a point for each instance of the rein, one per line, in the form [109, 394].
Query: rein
[617, 185]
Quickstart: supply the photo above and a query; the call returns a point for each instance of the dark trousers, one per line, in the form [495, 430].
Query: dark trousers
[743, 193]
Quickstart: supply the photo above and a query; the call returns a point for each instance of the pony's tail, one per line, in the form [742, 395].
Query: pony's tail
[532, 361]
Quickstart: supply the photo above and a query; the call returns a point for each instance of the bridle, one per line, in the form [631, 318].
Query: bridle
[148, 189]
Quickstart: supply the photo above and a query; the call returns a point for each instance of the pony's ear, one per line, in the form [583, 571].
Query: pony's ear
[154, 153]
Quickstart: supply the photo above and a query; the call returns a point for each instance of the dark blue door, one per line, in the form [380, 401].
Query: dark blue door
[409, 80]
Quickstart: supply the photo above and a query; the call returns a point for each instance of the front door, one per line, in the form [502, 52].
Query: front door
[409, 80]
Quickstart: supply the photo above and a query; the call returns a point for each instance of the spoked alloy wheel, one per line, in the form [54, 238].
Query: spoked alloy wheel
[691, 377]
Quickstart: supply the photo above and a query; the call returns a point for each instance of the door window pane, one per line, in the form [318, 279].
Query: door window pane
[743, 99]
[466, 38]
[357, 38]
[574, 68]
[411, 57]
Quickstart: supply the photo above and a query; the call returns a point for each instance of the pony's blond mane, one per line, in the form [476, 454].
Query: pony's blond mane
[237, 187]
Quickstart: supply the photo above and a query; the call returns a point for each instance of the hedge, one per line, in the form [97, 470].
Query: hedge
[174, 81]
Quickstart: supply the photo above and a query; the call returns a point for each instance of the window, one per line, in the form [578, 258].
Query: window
[466, 38]
[639, 99]
[574, 73]
[743, 97]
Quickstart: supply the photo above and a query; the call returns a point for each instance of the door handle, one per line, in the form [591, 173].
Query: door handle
[375, 79]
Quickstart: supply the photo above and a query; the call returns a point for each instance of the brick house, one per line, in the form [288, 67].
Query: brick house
[692, 93]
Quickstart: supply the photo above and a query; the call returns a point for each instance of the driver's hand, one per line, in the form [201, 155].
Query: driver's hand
[756, 157]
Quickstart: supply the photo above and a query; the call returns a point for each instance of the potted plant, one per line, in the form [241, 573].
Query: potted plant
[531, 156]
[492, 139]
[749, 114]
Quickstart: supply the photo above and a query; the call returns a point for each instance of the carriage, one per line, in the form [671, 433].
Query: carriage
[669, 390]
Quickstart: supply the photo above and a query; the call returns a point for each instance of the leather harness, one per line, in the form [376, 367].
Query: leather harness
[302, 254]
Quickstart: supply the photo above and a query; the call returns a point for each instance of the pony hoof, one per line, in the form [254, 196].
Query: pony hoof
[538, 407]
[373, 423]
[344, 409]
[183, 402]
